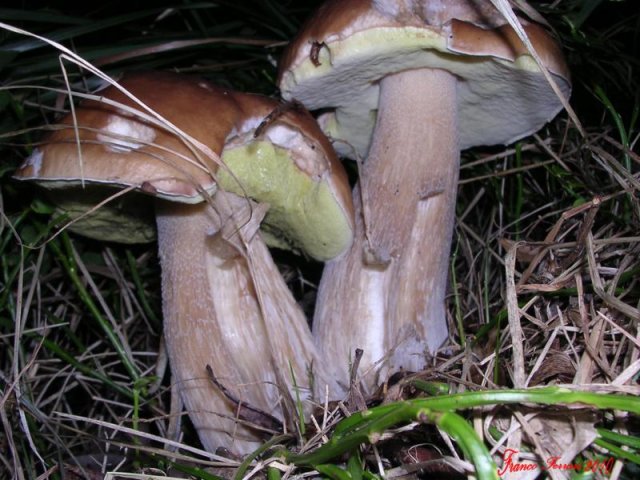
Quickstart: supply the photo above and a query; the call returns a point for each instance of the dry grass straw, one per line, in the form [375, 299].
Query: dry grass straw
[570, 280]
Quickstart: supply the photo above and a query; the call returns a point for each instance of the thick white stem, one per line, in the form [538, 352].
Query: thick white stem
[412, 155]
[409, 189]
[417, 320]
[226, 306]
[351, 310]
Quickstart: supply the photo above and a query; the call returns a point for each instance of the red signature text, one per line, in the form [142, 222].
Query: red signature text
[510, 465]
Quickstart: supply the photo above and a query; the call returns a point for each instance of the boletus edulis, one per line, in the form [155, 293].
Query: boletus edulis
[226, 163]
[405, 86]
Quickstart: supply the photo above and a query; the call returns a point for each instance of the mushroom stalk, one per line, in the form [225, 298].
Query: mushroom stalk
[413, 157]
[409, 189]
[351, 310]
[231, 310]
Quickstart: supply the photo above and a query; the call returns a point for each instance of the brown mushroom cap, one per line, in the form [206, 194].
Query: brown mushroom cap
[291, 165]
[339, 56]
[122, 150]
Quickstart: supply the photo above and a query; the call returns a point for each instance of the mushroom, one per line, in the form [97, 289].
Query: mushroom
[407, 85]
[225, 304]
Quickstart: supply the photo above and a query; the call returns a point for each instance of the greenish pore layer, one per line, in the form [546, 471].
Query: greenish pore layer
[499, 101]
[303, 215]
[126, 219]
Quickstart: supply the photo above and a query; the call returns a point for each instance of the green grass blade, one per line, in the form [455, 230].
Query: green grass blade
[66, 357]
[367, 426]
[466, 400]
[626, 440]
[68, 262]
[61, 35]
[468, 441]
[618, 451]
